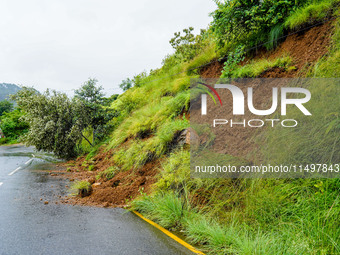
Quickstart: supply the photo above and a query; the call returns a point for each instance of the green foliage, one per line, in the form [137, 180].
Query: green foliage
[167, 208]
[5, 106]
[78, 186]
[90, 111]
[255, 68]
[316, 139]
[109, 173]
[53, 126]
[57, 122]
[168, 130]
[201, 59]
[139, 153]
[303, 211]
[233, 59]
[188, 46]
[137, 81]
[147, 119]
[13, 125]
[311, 13]
[275, 33]
[246, 22]
[126, 84]
[175, 171]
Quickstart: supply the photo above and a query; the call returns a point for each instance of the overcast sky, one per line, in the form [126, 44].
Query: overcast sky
[59, 44]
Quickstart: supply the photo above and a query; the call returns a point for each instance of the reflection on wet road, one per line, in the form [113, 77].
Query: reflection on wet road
[29, 226]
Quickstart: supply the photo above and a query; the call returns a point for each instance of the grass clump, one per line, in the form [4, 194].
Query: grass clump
[255, 68]
[314, 12]
[81, 188]
[109, 173]
[167, 209]
[175, 171]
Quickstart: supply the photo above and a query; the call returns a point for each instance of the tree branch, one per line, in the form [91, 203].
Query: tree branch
[87, 140]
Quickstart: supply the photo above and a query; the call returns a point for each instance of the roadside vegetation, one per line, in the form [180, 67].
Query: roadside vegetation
[62, 125]
[11, 123]
[144, 124]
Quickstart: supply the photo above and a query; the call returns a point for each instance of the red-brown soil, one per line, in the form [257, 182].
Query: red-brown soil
[305, 49]
[117, 192]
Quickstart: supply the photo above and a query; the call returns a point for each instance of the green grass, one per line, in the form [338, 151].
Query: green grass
[168, 209]
[314, 12]
[109, 173]
[255, 68]
[6, 140]
[304, 214]
[274, 35]
[77, 186]
[175, 172]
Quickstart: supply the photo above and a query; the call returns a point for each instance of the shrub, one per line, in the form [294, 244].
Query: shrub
[233, 59]
[246, 22]
[81, 188]
[5, 106]
[13, 125]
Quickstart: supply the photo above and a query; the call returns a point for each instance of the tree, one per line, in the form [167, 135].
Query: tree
[90, 93]
[126, 84]
[58, 123]
[188, 46]
[5, 106]
[53, 124]
[89, 101]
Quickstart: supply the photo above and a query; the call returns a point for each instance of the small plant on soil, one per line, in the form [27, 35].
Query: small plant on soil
[81, 188]
[108, 174]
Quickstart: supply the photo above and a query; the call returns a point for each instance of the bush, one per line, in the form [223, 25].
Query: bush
[5, 106]
[247, 22]
[13, 125]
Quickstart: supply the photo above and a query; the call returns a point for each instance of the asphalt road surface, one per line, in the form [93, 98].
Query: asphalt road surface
[28, 226]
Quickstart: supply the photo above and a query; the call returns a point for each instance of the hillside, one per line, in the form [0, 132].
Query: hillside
[7, 89]
[145, 163]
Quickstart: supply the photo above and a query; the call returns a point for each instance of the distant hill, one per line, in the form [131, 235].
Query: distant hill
[7, 89]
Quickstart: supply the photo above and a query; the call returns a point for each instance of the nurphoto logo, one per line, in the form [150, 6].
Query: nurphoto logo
[238, 105]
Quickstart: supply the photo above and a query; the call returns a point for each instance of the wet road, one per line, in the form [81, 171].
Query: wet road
[28, 226]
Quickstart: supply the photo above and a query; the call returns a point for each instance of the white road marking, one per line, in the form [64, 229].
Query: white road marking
[16, 170]
[1, 183]
[29, 161]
